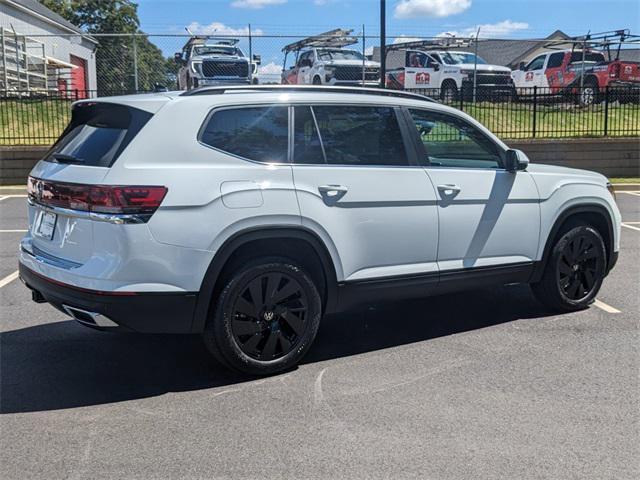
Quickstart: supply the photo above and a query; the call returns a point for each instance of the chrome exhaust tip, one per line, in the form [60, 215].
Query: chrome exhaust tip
[90, 319]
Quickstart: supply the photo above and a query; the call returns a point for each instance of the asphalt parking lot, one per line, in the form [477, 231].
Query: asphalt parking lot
[481, 386]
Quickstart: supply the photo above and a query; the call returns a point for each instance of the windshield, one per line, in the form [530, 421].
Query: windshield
[339, 55]
[217, 50]
[454, 58]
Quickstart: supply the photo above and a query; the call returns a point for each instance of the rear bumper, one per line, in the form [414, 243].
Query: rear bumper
[145, 312]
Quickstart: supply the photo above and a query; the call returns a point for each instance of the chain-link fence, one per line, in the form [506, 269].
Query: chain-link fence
[39, 80]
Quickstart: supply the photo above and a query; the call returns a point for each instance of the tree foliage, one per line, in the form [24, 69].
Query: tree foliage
[116, 56]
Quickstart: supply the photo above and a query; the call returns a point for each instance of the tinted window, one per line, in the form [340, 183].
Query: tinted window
[307, 148]
[591, 57]
[97, 133]
[256, 133]
[360, 135]
[451, 142]
[555, 60]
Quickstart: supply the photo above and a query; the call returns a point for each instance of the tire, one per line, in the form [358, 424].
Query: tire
[317, 80]
[448, 92]
[269, 334]
[575, 270]
[590, 93]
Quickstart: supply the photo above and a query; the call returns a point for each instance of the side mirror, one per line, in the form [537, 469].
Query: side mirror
[257, 59]
[177, 57]
[516, 160]
[521, 66]
[436, 66]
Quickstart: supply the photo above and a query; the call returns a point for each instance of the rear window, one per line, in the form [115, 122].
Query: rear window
[576, 57]
[97, 134]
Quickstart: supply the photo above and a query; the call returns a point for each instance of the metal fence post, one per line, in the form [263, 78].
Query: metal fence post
[606, 110]
[135, 63]
[535, 110]
[461, 95]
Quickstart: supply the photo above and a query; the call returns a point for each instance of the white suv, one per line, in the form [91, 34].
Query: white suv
[247, 213]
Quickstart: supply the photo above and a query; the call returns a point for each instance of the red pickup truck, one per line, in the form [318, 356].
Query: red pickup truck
[566, 71]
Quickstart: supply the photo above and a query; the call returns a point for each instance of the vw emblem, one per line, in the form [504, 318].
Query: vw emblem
[268, 315]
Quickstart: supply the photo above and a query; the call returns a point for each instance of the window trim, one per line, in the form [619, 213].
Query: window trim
[421, 150]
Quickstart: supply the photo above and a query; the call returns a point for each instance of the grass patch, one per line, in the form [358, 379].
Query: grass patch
[33, 121]
[624, 180]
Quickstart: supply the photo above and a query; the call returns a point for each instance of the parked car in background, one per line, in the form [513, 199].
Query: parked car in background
[451, 72]
[323, 60]
[247, 216]
[209, 61]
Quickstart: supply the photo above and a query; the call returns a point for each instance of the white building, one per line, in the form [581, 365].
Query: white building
[41, 51]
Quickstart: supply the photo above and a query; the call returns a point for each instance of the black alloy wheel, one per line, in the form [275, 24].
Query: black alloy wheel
[574, 272]
[578, 267]
[265, 317]
[269, 316]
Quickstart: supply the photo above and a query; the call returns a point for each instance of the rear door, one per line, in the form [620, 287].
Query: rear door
[358, 184]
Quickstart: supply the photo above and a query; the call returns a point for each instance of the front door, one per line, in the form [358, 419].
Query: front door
[79, 76]
[357, 183]
[421, 71]
[488, 216]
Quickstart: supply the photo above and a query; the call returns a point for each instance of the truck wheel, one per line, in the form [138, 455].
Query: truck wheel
[448, 92]
[317, 80]
[265, 318]
[590, 93]
[575, 270]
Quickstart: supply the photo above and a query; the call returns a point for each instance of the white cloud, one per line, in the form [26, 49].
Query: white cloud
[430, 8]
[218, 28]
[270, 69]
[487, 30]
[320, 2]
[256, 4]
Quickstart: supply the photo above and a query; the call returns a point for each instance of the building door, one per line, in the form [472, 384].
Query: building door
[79, 77]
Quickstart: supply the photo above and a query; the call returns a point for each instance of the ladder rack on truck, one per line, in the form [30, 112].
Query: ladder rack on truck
[598, 41]
[433, 44]
[336, 38]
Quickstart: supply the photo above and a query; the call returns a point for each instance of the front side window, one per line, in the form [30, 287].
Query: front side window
[255, 133]
[451, 142]
[360, 135]
[536, 64]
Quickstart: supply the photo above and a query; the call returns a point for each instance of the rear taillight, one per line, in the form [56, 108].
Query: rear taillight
[107, 199]
[614, 70]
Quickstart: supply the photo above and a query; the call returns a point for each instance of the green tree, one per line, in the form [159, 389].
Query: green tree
[115, 54]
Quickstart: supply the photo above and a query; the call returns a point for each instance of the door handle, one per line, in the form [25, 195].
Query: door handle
[332, 193]
[448, 189]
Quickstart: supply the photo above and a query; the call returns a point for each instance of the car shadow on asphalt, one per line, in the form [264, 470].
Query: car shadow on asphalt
[64, 365]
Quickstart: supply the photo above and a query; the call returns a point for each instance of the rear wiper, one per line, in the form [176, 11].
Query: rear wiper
[64, 158]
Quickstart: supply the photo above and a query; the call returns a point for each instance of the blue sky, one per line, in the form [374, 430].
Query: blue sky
[502, 18]
[516, 19]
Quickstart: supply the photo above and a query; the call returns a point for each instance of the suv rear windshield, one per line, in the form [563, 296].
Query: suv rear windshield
[97, 134]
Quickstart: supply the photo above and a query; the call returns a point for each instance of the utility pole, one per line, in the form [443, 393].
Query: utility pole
[383, 42]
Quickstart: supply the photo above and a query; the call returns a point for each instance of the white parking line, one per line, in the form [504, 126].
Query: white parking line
[631, 227]
[13, 231]
[603, 306]
[8, 279]
[13, 195]
[2, 197]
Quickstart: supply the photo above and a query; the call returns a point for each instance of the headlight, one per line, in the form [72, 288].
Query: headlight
[196, 67]
[612, 190]
[330, 70]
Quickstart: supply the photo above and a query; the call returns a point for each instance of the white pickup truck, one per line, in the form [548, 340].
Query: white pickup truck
[450, 72]
[323, 60]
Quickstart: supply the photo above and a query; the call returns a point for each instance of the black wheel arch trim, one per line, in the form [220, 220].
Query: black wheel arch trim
[227, 249]
[587, 208]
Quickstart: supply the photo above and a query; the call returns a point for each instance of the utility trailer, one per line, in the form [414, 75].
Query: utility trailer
[323, 60]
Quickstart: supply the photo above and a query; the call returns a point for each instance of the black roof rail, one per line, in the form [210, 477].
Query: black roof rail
[218, 90]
